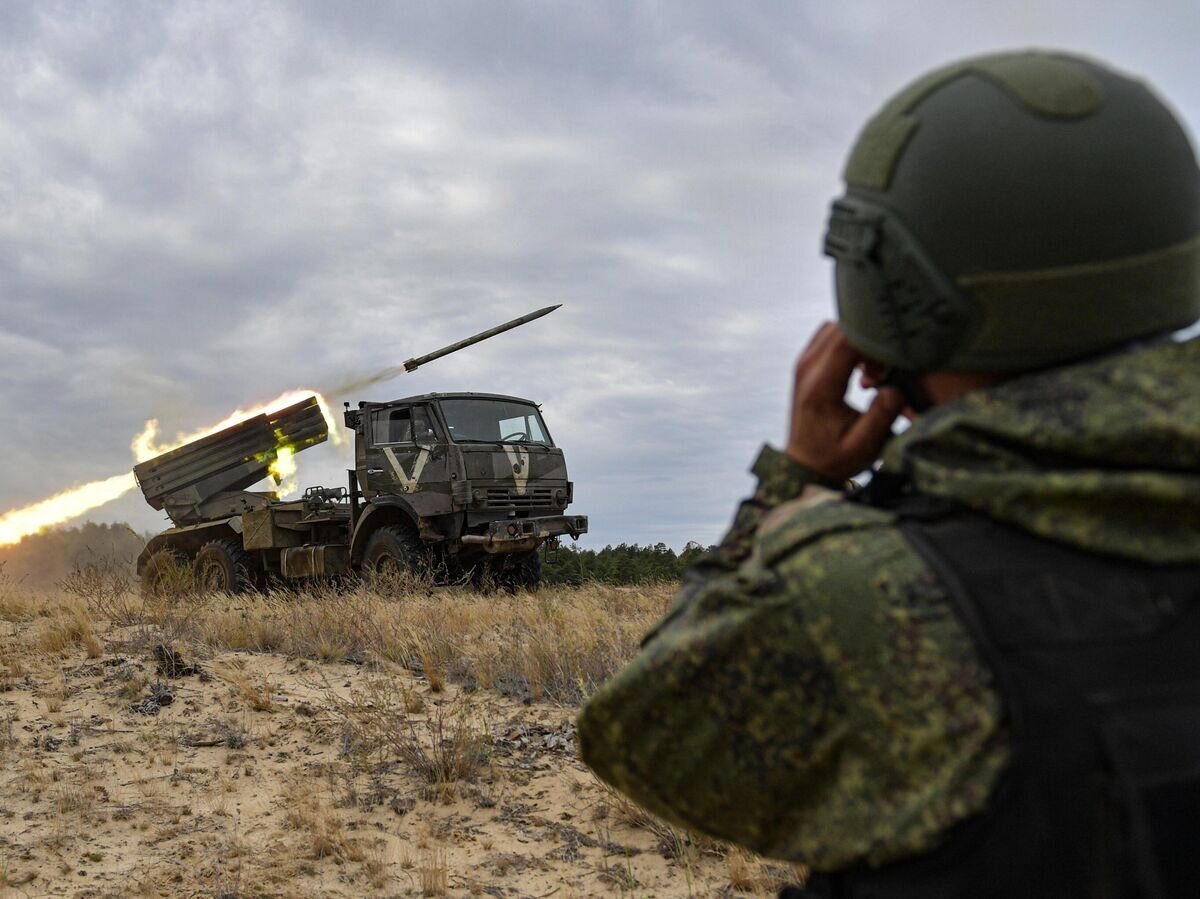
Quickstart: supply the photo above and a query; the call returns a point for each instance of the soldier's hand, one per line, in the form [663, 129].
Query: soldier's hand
[826, 435]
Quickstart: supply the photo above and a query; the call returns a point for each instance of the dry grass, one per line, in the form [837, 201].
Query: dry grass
[7, 739]
[750, 874]
[557, 644]
[443, 746]
[54, 693]
[434, 872]
[66, 625]
[16, 602]
[17, 605]
[413, 738]
[682, 846]
[73, 799]
[256, 691]
[321, 825]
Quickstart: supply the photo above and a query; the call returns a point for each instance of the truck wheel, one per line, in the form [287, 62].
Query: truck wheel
[393, 550]
[165, 574]
[222, 566]
[527, 571]
[510, 573]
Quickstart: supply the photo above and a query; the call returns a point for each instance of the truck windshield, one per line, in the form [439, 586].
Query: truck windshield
[494, 421]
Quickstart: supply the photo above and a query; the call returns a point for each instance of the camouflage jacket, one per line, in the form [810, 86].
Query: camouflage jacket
[811, 694]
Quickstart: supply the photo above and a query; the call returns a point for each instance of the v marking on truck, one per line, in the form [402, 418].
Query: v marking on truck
[409, 483]
[519, 459]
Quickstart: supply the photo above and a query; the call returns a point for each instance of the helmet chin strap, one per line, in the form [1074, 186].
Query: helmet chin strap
[910, 387]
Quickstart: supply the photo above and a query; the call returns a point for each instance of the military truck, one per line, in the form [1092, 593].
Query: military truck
[459, 485]
[453, 485]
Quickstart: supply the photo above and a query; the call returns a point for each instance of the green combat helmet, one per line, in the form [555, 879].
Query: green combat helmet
[1016, 211]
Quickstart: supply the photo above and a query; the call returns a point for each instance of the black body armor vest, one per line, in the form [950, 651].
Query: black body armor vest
[1097, 660]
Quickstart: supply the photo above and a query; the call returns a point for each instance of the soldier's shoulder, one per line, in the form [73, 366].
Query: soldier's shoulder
[847, 561]
[814, 518]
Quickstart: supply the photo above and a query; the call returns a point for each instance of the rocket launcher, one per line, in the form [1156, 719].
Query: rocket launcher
[207, 478]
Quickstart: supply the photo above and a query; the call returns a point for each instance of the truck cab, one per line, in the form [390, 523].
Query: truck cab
[474, 478]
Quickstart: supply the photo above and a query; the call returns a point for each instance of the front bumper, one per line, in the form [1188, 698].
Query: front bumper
[519, 534]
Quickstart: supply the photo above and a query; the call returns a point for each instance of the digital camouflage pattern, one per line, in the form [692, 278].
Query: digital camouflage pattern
[1105, 456]
[811, 695]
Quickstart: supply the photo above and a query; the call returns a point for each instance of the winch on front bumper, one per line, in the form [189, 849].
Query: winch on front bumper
[519, 534]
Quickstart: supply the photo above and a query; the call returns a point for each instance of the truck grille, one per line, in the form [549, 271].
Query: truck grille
[509, 498]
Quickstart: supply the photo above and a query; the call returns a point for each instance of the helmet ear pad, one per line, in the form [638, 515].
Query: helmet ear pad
[894, 304]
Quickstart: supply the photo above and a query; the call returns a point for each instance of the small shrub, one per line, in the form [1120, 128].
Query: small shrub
[447, 746]
[107, 588]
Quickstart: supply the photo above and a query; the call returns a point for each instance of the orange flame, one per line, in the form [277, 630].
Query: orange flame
[18, 523]
[62, 507]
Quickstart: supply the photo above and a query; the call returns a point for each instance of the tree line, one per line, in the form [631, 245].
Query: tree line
[626, 563]
[45, 559]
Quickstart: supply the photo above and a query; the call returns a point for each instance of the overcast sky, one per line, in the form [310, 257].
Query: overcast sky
[205, 204]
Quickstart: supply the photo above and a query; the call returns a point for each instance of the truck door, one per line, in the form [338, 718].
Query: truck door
[406, 455]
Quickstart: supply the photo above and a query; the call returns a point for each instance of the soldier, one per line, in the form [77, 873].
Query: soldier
[980, 674]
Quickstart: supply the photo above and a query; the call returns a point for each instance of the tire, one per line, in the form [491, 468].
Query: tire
[395, 551]
[510, 573]
[165, 574]
[222, 566]
[527, 571]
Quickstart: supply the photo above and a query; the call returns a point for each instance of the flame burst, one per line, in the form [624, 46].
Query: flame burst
[145, 447]
[18, 523]
[283, 470]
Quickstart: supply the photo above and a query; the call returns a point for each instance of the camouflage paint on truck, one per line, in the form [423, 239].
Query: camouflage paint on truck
[463, 480]
[454, 486]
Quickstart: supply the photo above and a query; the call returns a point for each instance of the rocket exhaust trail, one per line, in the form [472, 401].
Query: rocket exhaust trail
[63, 506]
[386, 374]
[393, 371]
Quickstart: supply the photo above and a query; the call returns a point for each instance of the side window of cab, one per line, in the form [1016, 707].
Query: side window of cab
[392, 426]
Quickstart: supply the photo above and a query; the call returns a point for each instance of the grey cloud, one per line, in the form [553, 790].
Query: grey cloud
[202, 205]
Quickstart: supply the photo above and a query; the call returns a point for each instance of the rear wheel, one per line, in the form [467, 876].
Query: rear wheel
[165, 574]
[222, 566]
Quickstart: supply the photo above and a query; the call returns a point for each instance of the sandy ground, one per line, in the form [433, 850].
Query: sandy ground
[262, 775]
